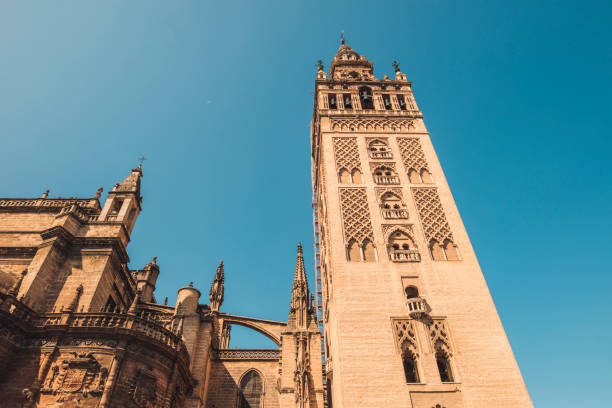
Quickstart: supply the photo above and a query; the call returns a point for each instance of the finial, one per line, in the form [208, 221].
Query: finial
[319, 65]
[299, 248]
[141, 160]
[396, 66]
[45, 194]
[342, 36]
[75, 301]
[98, 193]
[154, 261]
[166, 301]
[216, 289]
[132, 309]
[191, 284]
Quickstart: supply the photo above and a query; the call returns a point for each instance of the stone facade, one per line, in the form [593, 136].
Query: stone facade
[407, 317]
[79, 329]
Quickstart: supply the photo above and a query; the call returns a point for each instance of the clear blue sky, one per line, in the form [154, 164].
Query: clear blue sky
[516, 95]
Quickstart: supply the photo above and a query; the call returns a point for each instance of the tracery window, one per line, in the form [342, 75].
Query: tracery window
[251, 389]
[410, 367]
[378, 149]
[365, 97]
[401, 248]
[385, 175]
[392, 207]
[444, 365]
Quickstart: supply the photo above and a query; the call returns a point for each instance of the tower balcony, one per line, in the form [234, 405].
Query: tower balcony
[386, 179]
[380, 155]
[417, 307]
[394, 213]
[404, 255]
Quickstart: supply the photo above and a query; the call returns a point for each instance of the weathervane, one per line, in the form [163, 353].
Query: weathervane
[319, 65]
[395, 66]
[142, 159]
[342, 36]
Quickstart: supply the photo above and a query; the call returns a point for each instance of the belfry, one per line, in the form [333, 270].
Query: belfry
[399, 316]
[407, 317]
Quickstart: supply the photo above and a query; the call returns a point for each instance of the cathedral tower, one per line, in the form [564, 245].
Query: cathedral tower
[407, 316]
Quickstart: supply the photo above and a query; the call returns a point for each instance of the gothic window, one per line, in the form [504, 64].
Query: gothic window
[401, 101]
[344, 176]
[437, 252]
[401, 248]
[426, 176]
[385, 175]
[365, 97]
[353, 251]
[387, 101]
[410, 367]
[443, 362]
[333, 104]
[348, 103]
[369, 253]
[356, 176]
[450, 250]
[392, 207]
[251, 389]
[378, 149]
[445, 252]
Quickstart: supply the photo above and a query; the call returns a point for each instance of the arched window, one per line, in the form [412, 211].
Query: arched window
[385, 175]
[354, 252]
[414, 177]
[401, 248]
[344, 176]
[251, 388]
[411, 292]
[369, 253]
[392, 207]
[410, 367]
[356, 176]
[365, 96]
[443, 362]
[379, 150]
[451, 251]
[437, 252]
[426, 176]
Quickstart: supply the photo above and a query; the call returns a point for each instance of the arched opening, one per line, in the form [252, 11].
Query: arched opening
[451, 251]
[443, 362]
[437, 252]
[245, 337]
[410, 367]
[251, 389]
[365, 97]
[414, 177]
[392, 206]
[426, 176]
[401, 248]
[344, 176]
[411, 292]
[385, 175]
[369, 253]
[354, 253]
[378, 149]
[356, 176]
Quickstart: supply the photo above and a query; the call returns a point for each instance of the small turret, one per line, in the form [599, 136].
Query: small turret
[123, 203]
[216, 289]
[146, 280]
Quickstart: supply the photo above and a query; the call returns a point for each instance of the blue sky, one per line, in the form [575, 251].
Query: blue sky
[218, 97]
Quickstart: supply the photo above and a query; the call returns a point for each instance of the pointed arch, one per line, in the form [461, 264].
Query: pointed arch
[353, 251]
[426, 176]
[450, 250]
[401, 246]
[437, 252]
[251, 390]
[356, 176]
[413, 176]
[443, 361]
[369, 252]
[344, 176]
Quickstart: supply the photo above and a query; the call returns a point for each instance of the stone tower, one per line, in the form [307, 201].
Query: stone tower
[408, 319]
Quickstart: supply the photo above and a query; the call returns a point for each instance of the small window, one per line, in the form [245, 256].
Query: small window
[444, 367]
[410, 368]
[411, 292]
[348, 103]
[116, 207]
[365, 96]
[332, 101]
[401, 101]
[387, 102]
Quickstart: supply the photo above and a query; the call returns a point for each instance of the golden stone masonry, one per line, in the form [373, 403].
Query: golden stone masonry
[400, 315]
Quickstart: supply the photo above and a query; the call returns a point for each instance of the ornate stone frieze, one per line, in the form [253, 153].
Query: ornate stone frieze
[356, 215]
[435, 225]
[371, 125]
[405, 336]
[346, 154]
[412, 153]
[73, 378]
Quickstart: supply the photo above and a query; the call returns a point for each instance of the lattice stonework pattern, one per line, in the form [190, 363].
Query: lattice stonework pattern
[405, 334]
[412, 153]
[439, 334]
[372, 125]
[356, 215]
[346, 153]
[435, 225]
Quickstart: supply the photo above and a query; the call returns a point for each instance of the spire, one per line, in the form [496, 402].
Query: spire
[131, 184]
[132, 309]
[216, 289]
[299, 292]
[349, 65]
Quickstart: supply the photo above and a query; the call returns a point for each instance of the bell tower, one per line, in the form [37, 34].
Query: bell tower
[407, 317]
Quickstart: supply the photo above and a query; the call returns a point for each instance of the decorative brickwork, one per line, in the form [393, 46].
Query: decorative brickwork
[356, 215]
[346, 153]
[412, 153]
[439, 335]
[435, 225]
[372, 125]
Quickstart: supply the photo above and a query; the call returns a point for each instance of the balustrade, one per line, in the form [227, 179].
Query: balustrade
[394, 213]
[417, 306]
[404, 255]
[386, 179]
[381, 155]
[248, 354]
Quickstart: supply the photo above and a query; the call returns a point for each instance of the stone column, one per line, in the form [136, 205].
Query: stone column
[112, 379]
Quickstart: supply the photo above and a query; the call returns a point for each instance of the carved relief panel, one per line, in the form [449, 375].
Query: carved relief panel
[75, 377]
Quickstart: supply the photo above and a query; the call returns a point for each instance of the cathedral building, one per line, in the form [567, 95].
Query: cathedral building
[400, 315]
